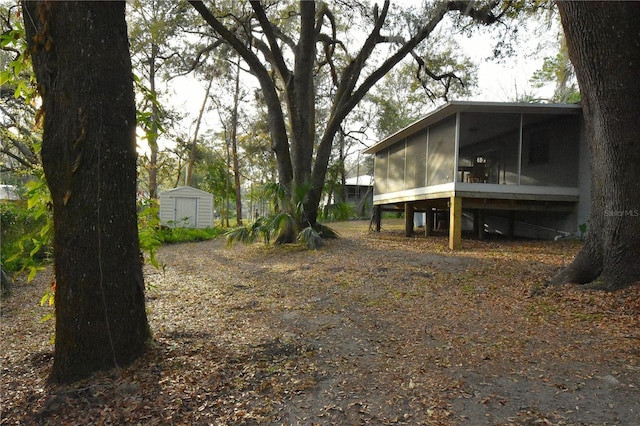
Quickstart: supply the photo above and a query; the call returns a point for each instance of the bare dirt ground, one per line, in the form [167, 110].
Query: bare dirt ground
[371, 329]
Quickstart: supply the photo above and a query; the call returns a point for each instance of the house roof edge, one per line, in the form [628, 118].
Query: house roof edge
[450, 108]
[184, 188]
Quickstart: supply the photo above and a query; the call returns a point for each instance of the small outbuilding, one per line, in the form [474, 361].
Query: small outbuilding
[359, 192]
[9, 193]
[186, 207]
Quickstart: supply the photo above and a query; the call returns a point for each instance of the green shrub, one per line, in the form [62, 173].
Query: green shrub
[26, 230]
[339, 212]
[149, 235]
[184, 235]
[267, 228]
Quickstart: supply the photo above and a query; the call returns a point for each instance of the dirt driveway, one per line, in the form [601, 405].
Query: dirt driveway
[371, 329]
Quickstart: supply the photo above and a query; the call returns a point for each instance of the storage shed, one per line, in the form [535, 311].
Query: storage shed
[186, 207]
[9, 193]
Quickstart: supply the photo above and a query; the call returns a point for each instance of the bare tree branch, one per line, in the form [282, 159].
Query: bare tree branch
[276, 118]
[275, 52]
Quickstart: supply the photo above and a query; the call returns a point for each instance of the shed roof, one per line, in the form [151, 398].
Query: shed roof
[185, 189]
[362, 180]
[454, 107]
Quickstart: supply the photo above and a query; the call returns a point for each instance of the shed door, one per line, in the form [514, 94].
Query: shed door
[186, 212]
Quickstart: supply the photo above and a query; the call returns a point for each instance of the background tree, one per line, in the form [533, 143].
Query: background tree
[559, 71]
[154, 28]
[19, 139]
[25, 228]
[603, 42]
[260, 165]
[170, 167]
[234, 145]
[402, 97]
[81, 59]
[286, 47]
[556, 69]
[193, 146]
[213, 174]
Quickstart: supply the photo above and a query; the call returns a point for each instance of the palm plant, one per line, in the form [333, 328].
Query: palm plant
[287, 225]
[339, 211]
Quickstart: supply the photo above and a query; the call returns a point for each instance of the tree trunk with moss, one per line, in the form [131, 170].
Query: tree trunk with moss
[83, 68]
[604, 46]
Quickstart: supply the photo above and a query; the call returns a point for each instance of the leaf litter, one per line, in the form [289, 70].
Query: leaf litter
[374, 328]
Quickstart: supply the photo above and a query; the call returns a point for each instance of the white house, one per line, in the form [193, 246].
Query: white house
[186, 207]
[512, 168]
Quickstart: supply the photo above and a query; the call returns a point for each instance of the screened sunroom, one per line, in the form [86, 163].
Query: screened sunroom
[482, 157]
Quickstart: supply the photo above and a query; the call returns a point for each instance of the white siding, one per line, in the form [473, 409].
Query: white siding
[186, 206]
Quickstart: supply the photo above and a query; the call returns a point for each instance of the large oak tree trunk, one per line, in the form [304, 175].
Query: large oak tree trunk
[603, 40]
[83, 68]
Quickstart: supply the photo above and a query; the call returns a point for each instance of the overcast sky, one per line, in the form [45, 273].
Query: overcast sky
[509, 79]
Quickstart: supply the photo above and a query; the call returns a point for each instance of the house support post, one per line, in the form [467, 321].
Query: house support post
[377, 218]
[408, 219]
[455, 223]
[512, 224]
[429, 222]
[478, 223]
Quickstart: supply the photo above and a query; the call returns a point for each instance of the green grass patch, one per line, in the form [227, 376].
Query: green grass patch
[589, 316]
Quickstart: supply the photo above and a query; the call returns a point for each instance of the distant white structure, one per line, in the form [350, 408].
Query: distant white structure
[358, 191]
[9, 193]
[186, 207]
[362, 180]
